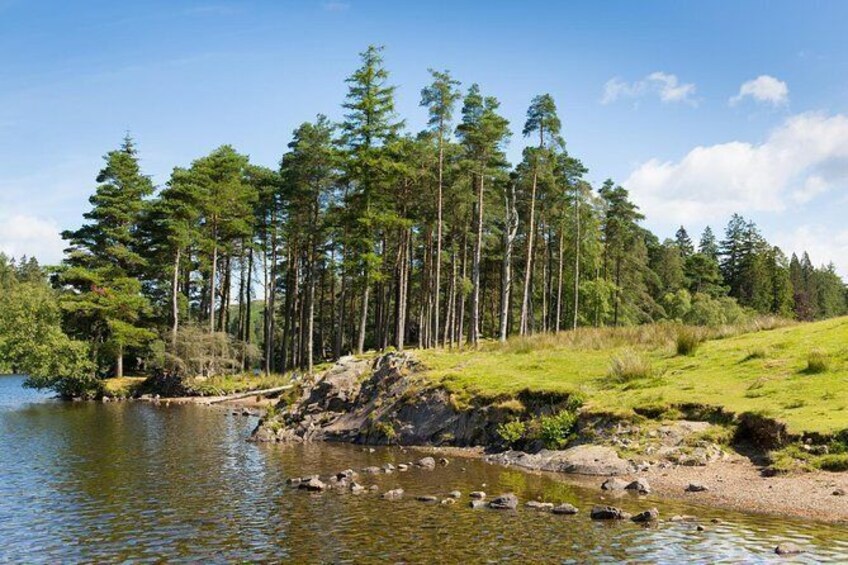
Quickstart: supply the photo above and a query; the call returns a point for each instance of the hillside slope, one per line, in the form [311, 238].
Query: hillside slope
[763, 371]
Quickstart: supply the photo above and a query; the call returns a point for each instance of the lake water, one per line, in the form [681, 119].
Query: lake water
[144, 483]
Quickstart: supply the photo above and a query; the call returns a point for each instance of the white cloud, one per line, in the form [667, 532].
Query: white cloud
[665, 85]
[798, 161]
[22, 234]
[765, 89]
[823, 244]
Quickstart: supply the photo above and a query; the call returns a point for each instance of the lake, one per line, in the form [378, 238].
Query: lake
[144, 483]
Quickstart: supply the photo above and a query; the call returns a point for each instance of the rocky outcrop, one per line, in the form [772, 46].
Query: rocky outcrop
[580, 460]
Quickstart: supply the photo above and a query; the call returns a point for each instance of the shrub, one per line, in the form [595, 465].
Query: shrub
[511, 432]
[556, 430]
[834, 462]
[687, 340]
[817, 362]
[628, 366]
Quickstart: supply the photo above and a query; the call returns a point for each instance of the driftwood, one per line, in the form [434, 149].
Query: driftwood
[239, 395]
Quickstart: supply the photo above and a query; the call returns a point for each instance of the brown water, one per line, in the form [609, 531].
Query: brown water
[144, 483]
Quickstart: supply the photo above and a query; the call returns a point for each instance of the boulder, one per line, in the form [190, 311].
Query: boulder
[640, 486]
[393, 494]
[650, 515]
[608, 513]
[475, 504]
[313, 485]
[356, 488]
[346, 474]
[403, 467]
[565, 508]
[536, 505]
[455, 494]
[504, 502]
[614, 484]
[426, 463]
[478, 494]
[446, 501]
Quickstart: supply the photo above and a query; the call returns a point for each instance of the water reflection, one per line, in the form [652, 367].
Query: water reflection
[116, 482]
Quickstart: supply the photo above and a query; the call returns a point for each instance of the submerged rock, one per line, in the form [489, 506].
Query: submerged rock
[393, 494]
[787, 548]
[504, 502]
[608, 513]
[650, 515]
[313, 485]
[426, 463]
[536, 505]
[565, 508]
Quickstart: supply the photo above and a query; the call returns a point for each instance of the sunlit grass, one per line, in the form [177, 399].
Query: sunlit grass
[740, 369]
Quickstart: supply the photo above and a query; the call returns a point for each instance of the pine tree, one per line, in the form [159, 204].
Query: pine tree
[368, 126]
[684, 242]
[708, 244]
[483, 133]
[104, 260]
[440, 98]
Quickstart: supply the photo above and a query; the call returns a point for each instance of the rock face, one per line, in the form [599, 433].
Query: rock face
[580, 460]
[504, 502]
[608, 513]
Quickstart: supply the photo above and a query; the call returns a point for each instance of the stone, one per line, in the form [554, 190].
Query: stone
[536, 505]
[446, 501]
[356, 488]
[696, 487]
[426, 463]
[682, 518]
[293, 481]
[650, 515]
[346, 474]
[373, 487]
[427, 498]
[388, 467]
[478, 494]
[700, 528]
[313, 485]
[839, 492]
[455, 494]
[504, 502]
[444, 461]
[565, 509]
[393, 494]
[613, 484]
[475, 504]
[373, 470]
[787, 548]
[640, 486]
[403, 467]
[597, 460]
[608, 513]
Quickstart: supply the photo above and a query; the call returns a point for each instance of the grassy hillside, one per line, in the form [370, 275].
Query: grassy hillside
[796, 374]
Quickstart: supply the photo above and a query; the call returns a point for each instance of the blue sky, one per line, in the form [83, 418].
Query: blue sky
[700, 109]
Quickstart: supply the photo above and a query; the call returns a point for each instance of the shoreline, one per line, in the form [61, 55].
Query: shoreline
[735, 484]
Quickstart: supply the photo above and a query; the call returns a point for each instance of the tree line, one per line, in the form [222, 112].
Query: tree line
[368, 236]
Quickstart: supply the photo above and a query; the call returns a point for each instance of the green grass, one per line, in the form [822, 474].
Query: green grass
[122, 387]
[759, 371]
[233, 384]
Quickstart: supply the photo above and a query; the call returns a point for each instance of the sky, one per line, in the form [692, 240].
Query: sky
[700, 109]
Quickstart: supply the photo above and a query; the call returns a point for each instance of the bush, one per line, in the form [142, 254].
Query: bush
[836, 462]
[628, 366]
[687, 340]
[511, 432]
[818, 361]
[556, 430]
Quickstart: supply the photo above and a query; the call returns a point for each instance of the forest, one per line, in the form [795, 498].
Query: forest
[369, 236]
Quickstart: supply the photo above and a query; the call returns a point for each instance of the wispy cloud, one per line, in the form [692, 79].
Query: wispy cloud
[666, 86]
[335, 6]
[765, 89]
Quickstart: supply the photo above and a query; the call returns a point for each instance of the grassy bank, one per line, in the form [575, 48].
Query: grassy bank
[796, 374]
